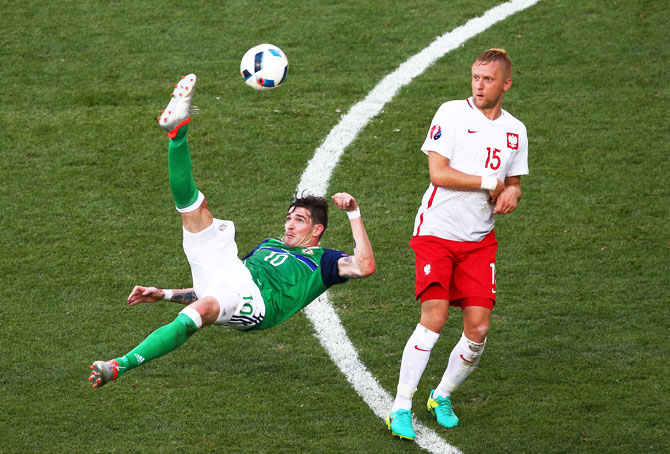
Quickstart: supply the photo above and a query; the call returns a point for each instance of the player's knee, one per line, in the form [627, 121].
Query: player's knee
[199, 219]
[208, 308]
[434, 314]
[477, 332]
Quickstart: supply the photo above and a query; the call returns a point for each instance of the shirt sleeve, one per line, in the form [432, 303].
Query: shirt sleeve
[328, 266]
[519, 164]
[440, 136]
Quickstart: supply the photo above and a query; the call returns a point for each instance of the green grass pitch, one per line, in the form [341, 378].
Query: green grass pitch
[577, 358]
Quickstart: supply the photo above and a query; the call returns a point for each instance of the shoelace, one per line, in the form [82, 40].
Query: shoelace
[444, 406]
[403, 417]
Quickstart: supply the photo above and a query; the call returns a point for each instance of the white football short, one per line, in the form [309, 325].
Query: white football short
[218, 272]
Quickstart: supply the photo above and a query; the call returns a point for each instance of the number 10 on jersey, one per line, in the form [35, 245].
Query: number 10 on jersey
[276, 258]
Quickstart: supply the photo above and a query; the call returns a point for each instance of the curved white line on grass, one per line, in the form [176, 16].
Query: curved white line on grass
[315, 180]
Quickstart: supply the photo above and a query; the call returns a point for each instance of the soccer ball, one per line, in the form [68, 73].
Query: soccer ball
[264, 67]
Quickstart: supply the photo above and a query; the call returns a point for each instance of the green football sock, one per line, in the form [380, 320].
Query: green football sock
[182, 183]
[164, 340]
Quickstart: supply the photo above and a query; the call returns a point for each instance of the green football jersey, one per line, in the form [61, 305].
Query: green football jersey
[290, 278]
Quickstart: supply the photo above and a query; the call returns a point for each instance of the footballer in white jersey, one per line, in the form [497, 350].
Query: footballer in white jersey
[477, 153]
[477, 146]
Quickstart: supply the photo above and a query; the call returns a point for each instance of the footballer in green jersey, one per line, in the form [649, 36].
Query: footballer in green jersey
[291, 278]
[262, 290]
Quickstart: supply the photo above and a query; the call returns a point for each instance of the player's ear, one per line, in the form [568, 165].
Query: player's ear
[508, 84]
[317, 230]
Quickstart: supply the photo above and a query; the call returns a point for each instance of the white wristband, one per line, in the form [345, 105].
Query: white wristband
[489, 183]
[354, 214]
[168, 295]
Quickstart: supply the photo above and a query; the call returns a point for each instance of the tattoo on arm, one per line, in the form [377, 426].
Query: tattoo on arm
[347, 261]
[354, 244]
[185, 297]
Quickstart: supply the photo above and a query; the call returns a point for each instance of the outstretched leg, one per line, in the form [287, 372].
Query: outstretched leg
[164, 340]
[175, 119]
[195, 217]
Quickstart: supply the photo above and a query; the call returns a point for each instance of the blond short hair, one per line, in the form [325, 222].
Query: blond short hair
[493, 55]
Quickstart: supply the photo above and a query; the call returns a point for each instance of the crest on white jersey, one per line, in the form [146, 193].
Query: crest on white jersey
[512, 141]
[435, 132]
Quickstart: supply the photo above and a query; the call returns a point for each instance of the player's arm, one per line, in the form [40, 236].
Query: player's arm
[441, 174]
[509, 197]
[362, 263]
[142, 294]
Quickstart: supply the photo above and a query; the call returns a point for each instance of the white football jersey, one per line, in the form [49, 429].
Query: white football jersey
[477, 146]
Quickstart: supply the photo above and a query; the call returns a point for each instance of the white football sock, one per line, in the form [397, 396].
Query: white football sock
[462, 361]
[414, 360]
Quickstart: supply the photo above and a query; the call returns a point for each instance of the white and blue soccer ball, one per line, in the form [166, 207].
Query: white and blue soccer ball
[264, 67]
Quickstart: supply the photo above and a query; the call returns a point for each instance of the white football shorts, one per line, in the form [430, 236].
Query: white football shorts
[218, 272]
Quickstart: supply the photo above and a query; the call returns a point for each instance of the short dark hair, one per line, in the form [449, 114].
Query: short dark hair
[317, 207]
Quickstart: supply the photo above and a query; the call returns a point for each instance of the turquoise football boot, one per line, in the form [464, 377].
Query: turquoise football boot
[400, 424]
[441, 408]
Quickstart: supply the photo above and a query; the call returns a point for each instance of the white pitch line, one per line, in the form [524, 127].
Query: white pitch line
[316, 177]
